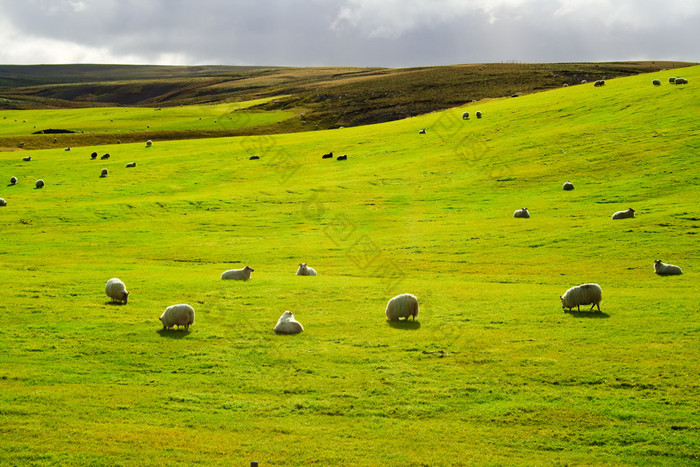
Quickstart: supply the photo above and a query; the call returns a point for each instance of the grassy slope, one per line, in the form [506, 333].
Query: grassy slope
[491, 372]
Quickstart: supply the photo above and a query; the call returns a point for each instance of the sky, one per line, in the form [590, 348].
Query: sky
[387, 33]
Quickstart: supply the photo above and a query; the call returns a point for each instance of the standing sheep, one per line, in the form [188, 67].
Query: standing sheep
[149, 143]
[116, 290]
[39, 183]
[105, 156]
[3, 202]
[238, 274]
[104, 173]
[93, 155]
[478, 114]
[681, 81]
[656, 82]
[305, 270]
[567, 186]
[584, 294]
[402, 306]
[522, 213]
[177, 315]
[13, 180]
[465, 116]
[629, 214]
[672, 79]
[664, 269]
[288, 325]
[599, 82]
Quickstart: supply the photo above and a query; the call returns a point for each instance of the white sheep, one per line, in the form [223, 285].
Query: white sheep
[478, 114]
[628, 214]
[672, 79]
[599, 82]
[116, 290]
[584, 294]
[567, 186]
[177, 315]
[288, 325]
[93, 155]
[681, 81]
[105, 156]
[104, 173]
[67, 149]
[522, 213]
[3, 202]
[27, 158]
[39, 183]
[149, 143]
[664, 269]
[238, 274]
[305, 270]
[402, 306]
[421, 131]
[13, 180]
[656, 82]
[465, 116]
[131, 164]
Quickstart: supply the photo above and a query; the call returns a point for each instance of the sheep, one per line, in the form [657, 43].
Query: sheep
[93, 155]
[149, 143]
[629, 214]
[599, 82]
[566, 85]
[116, 290]
[402, 306]
[131, 164]
[478, 114]
[21, 144]
[177, 315]
[238, 274]
[13, 180]
[567, 186]
[465, 116]
[3, 202]
[584, 294]
[672, 79]
[105, 156]
[664, 269]
[305, 270]
[119, 142]
[583, 81]
[522, 213]
[344, 157]
[252, 158]
[421, 131]
[39, 183]
[27, 159]
[681, 81]
[656, 82]
[67, 149]
[328, 156]
[104, 173]
[288, 325]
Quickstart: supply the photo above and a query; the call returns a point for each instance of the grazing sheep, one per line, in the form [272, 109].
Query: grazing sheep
[599, 82]
[583, 81]
[238, 274]
[344, 157]
[522, 213]
[116, 290]
[105, 156]
[656, 82]
[13, 180]
[465, 116]
[402, 306]
[104, 173]
[478, 114]
[672, 79]
[93, 155]
[3, 202]
[55, 140]
[252, 158]
[131, 164]
[328, 156]
[288, 325]
[566, 85]
[421, 131]
[664, 269]
[177, 315]
[39, 183]
[27, 159]
[681, 81]
[119, 142]
[567, 186]
[584, 294]
[629, 214]
[305, 270]
[149, 143]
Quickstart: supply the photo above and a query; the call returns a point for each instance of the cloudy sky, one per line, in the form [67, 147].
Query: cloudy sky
[393, 33]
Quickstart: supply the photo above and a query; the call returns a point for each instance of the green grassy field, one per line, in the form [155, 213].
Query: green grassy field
[491, 372]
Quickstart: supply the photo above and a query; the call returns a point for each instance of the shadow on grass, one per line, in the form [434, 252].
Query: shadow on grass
[113, 303]
[587, 314]
[404, 324]
[174, 333]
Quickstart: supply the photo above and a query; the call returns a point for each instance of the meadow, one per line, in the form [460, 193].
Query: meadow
[492, 371]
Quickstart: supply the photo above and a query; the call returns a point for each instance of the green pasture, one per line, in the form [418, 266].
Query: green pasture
[492, 372]
[114, 120]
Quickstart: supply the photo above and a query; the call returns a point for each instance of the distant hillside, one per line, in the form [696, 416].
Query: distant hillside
[328, 97]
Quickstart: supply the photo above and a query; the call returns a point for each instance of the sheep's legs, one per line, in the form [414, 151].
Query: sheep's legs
[594, 305]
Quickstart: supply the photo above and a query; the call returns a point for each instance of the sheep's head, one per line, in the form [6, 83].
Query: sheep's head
[248, 268]
[287, 316]
[631, 210]
[125, 296]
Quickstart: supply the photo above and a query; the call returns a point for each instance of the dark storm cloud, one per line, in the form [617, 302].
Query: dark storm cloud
[345, 32]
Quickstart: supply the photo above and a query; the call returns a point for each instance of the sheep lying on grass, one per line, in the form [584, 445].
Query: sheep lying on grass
[664, 269]
[288, 325]
[567, 186]
[27, 159]
[522, 213]
[628, 214]
[39, 183]
[177, 315]
[402, 306]
[131, 164]
[421, 131]
[116, 290]
[252, 158]
[656, 82]
[584, 294]
[305, 270]
[344, 157]
[238, 274]
[328, 156]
